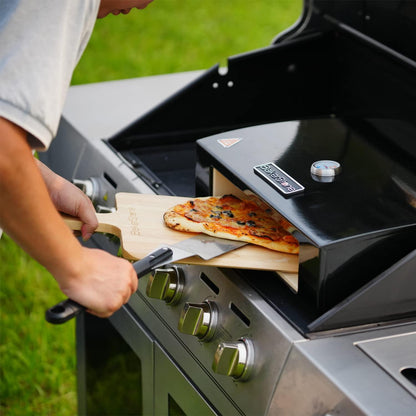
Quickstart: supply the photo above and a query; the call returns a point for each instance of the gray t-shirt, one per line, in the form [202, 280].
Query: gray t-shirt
[41, 42]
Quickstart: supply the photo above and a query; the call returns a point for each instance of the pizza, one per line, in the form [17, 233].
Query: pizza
[248, 219]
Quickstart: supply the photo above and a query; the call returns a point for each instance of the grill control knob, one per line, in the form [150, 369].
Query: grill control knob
[198, 319]
[87, 186]
[165, 284]
[234, 359]
[100, 190]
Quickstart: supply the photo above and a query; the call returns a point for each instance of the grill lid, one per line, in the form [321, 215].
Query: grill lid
[391, 23]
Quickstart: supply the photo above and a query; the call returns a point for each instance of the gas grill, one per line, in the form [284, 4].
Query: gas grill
[321, 126]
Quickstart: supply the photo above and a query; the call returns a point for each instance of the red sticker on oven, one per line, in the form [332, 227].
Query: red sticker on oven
[228, 142]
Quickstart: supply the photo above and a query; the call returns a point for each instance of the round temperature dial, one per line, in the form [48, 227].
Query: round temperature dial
[325, 168]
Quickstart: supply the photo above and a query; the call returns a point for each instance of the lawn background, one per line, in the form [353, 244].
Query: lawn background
[37, 360]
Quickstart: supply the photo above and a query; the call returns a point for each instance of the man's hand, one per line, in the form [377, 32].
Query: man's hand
[70, 200]
[101, 282]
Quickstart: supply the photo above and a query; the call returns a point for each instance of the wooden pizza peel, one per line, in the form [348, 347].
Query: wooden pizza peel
[138, 222]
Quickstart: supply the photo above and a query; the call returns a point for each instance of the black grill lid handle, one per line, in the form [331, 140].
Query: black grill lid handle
[68, 309]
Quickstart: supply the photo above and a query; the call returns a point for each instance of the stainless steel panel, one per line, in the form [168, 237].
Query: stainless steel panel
[333, 376]
[174, 392]
[187, 362]
[269, 333]
[394, 354]
[141, 343]
[303, 390]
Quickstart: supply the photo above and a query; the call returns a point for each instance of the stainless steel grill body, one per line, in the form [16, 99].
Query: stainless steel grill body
[291, 373]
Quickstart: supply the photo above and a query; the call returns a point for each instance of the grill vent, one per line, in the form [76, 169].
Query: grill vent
[210, 283]
[240, 314]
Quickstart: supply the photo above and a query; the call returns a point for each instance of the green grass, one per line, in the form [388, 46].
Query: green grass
[173, 36]
[37, 360]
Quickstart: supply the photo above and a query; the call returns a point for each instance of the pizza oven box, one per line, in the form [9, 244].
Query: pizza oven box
[352, 227]
[338, 85]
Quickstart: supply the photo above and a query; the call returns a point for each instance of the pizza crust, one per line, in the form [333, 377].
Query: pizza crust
[180, 223]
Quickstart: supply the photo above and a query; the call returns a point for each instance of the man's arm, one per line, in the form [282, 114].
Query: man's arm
[94, 278]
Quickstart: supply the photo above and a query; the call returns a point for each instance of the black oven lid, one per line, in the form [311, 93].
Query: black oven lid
[373, 193]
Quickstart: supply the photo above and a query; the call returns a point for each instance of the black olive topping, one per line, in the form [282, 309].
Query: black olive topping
[191, 203]
[228, 213]
[252, 214]
[251, 223]
[241, 223]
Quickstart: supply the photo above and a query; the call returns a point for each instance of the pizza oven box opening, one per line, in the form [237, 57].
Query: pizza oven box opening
[352, 227]
[222, 186]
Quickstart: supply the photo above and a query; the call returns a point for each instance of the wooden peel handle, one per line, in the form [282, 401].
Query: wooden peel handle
[107, 223]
